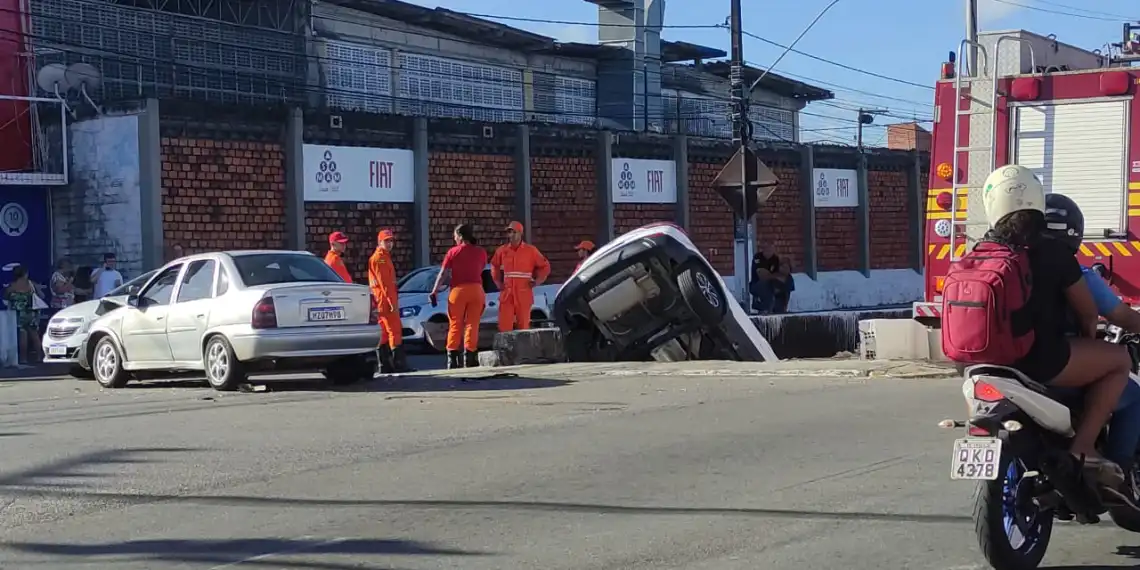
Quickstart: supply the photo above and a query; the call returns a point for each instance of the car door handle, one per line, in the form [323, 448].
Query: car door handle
[202, 316]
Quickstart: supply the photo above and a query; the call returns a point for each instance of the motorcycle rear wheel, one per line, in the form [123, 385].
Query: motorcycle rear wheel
[996, 511]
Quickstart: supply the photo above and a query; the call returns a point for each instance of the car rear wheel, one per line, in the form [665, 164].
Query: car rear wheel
[107, 365]
[223, 370]
[703, 295]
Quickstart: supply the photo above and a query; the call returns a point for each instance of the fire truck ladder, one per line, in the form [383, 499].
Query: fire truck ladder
[983, 139]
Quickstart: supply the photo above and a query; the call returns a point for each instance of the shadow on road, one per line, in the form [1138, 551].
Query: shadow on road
[265, 552]
[13, 433]
[475, 381]
[1124, 551]
[67, 468]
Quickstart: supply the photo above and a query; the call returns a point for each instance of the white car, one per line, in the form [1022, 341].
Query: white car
[230, 314]
[68, 328]
[423, 323]
[651, 294]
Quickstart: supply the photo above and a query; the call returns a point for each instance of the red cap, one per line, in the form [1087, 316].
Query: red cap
[338, 237]
[384, 235]
[515, 226]
[586, 245]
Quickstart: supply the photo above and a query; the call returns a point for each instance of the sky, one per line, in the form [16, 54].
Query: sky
[854, 33]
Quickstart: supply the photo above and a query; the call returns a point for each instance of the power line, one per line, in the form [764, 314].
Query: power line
[1059, 5]
[836, 63]
[1087, 16]
[590, 24]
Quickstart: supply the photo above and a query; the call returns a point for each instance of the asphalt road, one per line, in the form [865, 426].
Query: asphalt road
[589, 470]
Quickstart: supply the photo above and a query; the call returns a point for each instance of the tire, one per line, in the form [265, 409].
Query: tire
[703, 295]
[223, 370]
[349, 371]
[989, 524]
[80, 373]
[107, 364]
[1126, 517]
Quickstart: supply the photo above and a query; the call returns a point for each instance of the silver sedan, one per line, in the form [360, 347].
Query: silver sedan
[230, 314]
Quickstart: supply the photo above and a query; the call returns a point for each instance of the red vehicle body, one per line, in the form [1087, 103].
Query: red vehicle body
[1071, 120]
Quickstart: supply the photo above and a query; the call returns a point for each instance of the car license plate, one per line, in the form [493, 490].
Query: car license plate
[322, 314]
[57, 350]
[976, 458]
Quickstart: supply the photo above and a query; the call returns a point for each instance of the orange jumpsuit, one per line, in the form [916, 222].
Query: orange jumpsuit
[334, 261]
[517, 268]
[382, 281]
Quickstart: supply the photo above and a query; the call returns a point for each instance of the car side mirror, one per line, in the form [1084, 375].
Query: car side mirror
[134, 300]
[133, 289]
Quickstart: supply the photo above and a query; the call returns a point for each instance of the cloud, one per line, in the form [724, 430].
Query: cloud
[991, 12]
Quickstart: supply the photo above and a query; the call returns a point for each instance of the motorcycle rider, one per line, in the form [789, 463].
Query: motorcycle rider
[1014, 201]
[1066, 223]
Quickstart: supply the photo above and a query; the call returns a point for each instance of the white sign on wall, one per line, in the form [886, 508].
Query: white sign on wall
[639, 181]
[835, 188]
[358, 174]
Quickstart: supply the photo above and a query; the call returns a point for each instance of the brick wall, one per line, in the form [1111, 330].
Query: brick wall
[219, 195]
[361, 221]
[628, 217]
[564, 209]
[477, 189]
[836, 238]
[780, 221]
[710, 218]
[890, 222]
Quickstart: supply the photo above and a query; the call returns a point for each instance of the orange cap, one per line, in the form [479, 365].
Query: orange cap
[384, 235]
[515, 226]
[338, 237]
[586, 245]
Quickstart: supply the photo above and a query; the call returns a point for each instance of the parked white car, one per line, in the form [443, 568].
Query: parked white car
[68, 328]
[423, 323]
[230, 314]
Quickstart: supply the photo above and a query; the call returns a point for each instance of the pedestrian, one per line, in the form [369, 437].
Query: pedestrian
[338, 242]
[176, 252]
[517, 268]
[769, 281]
[464, 264]
[382, 281]
[106, 277]
[62, 285]
[585, 249]
[22, 298]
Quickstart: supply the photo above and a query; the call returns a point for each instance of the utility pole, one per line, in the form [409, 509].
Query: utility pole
[972, 35]
[745, 238]
[866, 117]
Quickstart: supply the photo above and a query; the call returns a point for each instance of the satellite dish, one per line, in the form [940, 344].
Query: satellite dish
[53, 77]
[84, 75]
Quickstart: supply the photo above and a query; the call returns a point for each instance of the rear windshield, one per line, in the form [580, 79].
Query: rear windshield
[276, 268]
[419, 281]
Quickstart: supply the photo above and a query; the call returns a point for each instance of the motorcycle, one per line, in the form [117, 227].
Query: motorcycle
[1016, 449]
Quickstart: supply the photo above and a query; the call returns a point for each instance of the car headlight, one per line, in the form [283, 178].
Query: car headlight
[407, 312]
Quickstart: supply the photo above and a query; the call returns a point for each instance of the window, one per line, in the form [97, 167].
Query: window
[159, 291]
[440, 87]
[489, 283]
[223, 282]
[275, 268]
[198, 281]
[419, 281]
[358, 77]
[136, 282]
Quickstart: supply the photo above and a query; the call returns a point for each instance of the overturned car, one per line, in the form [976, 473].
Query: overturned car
[651, 295]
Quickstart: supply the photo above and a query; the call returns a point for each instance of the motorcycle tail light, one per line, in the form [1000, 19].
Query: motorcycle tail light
[986, 392]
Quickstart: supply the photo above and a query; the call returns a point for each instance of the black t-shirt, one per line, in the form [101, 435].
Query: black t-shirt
[761, 261]
[1054, 269]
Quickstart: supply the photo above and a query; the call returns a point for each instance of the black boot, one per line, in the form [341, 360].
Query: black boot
[471, 359]
[400, 360]
[384, 358]
[454, 359]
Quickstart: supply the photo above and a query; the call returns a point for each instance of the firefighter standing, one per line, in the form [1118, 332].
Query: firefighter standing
[382, 281]
[584, 249]
[517, 269]
[465, 302]
[337, 244]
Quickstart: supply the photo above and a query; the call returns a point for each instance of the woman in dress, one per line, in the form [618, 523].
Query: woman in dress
[23, 298]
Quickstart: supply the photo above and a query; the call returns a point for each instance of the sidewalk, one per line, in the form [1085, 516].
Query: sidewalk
[38, 371]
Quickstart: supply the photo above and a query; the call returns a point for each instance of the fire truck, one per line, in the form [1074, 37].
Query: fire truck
[1066, 113]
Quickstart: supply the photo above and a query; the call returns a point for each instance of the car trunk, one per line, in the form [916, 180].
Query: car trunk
[321, 304]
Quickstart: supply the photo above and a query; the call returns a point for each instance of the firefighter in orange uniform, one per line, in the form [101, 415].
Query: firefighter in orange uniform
[382, 281]
[337, 244]
[584, 249]
[517, 268]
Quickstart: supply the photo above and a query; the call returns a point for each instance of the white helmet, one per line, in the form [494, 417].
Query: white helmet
[1011, 189]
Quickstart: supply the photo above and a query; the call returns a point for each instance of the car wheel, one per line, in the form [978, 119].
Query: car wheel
[107, 365]
[79, 372]
[703, 295]
[223, 370]
[350, 370]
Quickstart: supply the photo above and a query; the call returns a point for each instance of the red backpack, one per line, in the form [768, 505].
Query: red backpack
[984, 298]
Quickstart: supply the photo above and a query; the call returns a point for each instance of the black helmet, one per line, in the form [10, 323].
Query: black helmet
[1064, 220]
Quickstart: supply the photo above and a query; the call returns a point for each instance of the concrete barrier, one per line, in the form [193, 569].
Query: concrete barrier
[819, 335]
[533, 346]
[9, 351]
